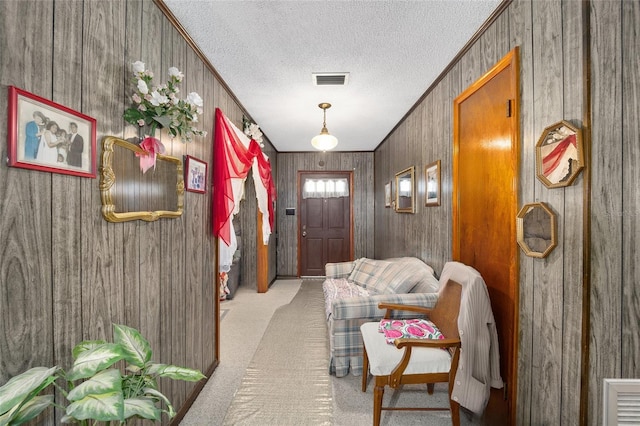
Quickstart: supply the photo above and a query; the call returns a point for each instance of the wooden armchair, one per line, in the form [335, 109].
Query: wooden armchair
[415, 361]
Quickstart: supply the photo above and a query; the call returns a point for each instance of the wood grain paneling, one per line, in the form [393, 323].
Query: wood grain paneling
[607, 201]
[67, 274]
[547, 293]
[25, 207]
[631, 176]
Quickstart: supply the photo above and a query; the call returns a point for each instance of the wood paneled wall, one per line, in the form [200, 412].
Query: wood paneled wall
[361, 163]
[66, 274]
[552, 57]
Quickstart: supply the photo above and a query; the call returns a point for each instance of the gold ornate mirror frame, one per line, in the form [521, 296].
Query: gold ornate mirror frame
[559, 155]
[128, 194]
[405, 191]
[536, 227]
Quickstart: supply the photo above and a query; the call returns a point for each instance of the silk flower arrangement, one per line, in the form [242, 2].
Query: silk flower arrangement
[159, 107]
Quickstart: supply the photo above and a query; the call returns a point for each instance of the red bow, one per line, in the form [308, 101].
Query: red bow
[151, 146]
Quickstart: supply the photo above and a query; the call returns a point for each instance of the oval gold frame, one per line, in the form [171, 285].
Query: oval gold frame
[526, 235]
[108, 180]
[552, 137]
[408, 202]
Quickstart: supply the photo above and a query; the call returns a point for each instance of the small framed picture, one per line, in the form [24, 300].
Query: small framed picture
[387, 194]
[195, 174]
[432, 173]
[46, 136]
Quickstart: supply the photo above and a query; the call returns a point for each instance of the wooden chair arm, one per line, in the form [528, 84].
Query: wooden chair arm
[427, 343]
[396, 375]
[400, 307]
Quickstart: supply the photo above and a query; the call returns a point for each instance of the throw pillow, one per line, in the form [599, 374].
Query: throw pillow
[367, 273]
[411, 328]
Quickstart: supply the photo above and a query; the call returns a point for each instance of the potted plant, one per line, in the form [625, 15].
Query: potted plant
[96, 389]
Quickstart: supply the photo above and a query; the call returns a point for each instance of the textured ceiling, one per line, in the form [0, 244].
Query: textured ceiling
[266, 52]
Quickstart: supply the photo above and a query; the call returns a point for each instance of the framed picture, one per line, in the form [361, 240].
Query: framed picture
[387, 194]
[432, 173]
[46, 136]
[195, 171]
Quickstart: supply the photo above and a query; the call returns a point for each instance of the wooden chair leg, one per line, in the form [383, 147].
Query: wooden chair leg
[365, 369]
[430, 387]
[378, 392]
[455, 412]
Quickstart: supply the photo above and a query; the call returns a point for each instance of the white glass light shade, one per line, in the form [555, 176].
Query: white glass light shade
[324, 141]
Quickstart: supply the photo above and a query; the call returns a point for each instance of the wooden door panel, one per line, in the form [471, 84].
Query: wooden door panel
[325, 233]
[485, 172]
[335, 249]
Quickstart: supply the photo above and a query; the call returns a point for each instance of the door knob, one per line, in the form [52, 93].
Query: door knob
[304, 233]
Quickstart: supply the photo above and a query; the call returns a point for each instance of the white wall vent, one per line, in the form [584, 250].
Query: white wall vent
[330, 78]
[621, 400]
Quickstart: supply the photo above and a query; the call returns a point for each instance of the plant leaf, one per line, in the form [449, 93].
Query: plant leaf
[32, 409]
[21, 386]
[103, 408]
[160, 397]
[106, 381]
[137, 350]
[175, 372]
[163, 120]
[85, 346]
[90, 362]
[142, 407]
[132, 115]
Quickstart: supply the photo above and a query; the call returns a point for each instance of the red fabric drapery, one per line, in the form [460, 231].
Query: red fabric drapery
[231, 159]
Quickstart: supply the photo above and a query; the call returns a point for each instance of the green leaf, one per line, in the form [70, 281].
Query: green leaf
[32, 409]
[160, 397]
[176, 373]
[20, 388]
[103, 408]
[90, 362]
[104, 382]
[137, 350]
[163, 120]
[142, 407]
[85, 346]
[132, 115]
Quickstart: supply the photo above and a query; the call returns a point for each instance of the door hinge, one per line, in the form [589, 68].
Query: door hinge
[509, 108]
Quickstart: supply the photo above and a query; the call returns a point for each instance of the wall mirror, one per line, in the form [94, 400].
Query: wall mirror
[128, 194]
[536, 229]
[559, 155]
[405, 191]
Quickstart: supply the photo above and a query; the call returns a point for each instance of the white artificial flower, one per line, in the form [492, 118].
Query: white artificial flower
[195, 118]
[254, 130]
[142, 87]
[175, 72]
[138, 67]
[157, 99]
[194, 99]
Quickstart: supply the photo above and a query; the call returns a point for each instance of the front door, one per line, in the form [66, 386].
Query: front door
[324, 227]
[485, 202]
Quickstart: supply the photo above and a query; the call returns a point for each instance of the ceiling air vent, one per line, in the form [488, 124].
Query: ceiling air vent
[330, 78]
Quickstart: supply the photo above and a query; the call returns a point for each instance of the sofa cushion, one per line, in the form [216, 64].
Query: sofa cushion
[403, 275]
[339, 269]
[368, 274]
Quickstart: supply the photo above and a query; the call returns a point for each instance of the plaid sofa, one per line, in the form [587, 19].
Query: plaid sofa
[352, 292]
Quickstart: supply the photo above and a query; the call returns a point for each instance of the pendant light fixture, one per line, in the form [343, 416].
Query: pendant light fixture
[324, 141]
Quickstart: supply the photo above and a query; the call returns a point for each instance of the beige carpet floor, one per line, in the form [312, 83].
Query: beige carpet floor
[270, 377]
